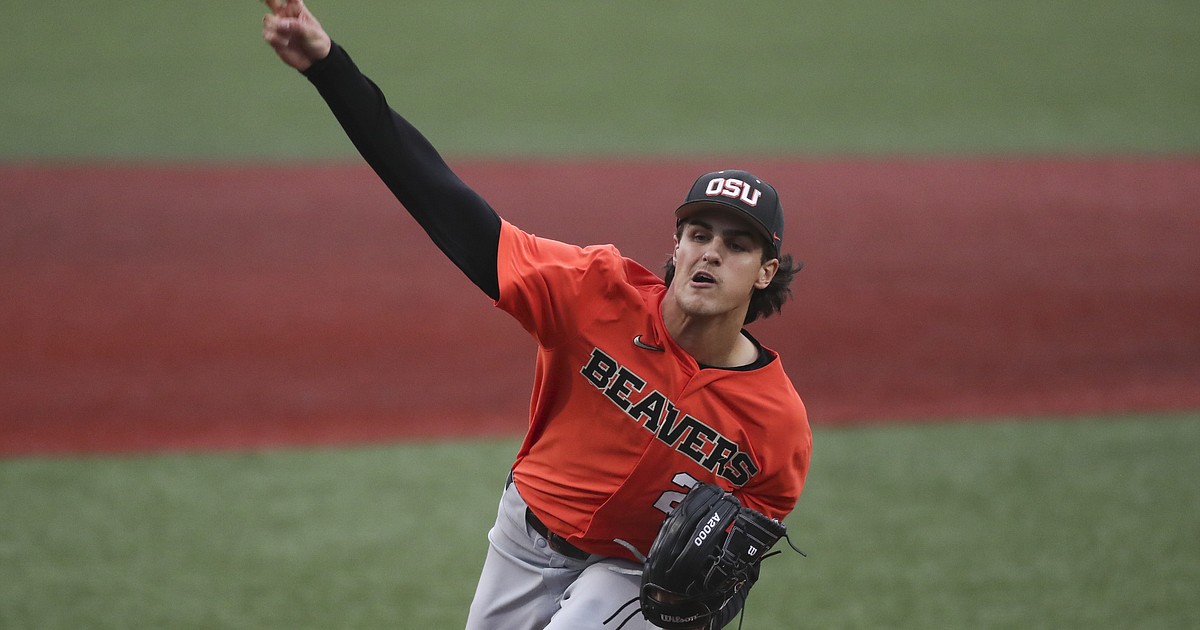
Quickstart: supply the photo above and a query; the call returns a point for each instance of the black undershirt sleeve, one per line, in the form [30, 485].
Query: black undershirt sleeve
[457, 219]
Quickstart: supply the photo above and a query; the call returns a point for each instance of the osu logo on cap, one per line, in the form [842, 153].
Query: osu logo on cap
[734, 189]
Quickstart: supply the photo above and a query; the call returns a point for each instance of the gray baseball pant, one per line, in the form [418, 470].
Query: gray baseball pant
[525, 585]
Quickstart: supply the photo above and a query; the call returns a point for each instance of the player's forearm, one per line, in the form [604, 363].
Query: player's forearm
[458, 220]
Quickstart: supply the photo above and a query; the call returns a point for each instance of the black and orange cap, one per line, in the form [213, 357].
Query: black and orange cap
[742, 192]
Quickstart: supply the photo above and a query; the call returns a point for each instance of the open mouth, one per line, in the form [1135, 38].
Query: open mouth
[703, 277]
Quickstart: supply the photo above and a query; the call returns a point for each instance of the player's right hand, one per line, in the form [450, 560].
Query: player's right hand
[295, 34]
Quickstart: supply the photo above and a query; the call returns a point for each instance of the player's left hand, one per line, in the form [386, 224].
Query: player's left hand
[295, 34]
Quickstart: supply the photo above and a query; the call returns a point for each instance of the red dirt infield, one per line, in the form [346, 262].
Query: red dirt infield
[236, 306]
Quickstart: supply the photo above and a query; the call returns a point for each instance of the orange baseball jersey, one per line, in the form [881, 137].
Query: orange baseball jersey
[622, 420]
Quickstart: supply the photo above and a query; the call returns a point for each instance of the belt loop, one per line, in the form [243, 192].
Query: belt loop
[556, 542]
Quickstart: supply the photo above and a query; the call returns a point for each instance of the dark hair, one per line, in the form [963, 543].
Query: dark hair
[763, 302]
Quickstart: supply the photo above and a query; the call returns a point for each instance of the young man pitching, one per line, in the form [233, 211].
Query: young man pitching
[644, 386]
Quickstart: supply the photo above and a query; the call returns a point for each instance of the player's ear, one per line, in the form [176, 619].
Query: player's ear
[766, 273]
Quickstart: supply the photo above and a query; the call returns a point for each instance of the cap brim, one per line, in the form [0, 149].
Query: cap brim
[692, 207]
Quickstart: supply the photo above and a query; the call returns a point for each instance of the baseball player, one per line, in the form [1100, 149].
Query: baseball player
[644, 386]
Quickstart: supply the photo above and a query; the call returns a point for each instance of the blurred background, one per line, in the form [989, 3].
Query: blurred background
[239, 387]
[619, 78]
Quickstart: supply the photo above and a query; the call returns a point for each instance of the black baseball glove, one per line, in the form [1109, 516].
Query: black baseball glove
[707, 551]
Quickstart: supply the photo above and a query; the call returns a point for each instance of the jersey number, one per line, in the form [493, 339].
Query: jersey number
[669, 499]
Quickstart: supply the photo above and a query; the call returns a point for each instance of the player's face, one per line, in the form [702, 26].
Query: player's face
[718, 265]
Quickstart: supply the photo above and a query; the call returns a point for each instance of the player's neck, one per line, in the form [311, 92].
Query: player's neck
[716, 341]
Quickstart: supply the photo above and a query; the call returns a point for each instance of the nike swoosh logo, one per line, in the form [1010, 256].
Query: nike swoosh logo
[637, 341]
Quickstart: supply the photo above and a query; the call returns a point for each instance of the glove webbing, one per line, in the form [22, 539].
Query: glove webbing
[747, 544]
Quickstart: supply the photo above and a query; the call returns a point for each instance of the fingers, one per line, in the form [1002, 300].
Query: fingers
[281, 25]
[272, 33]
[294, 33]
[274, 5]
[279, 31]
[273, 27]
[289, 8]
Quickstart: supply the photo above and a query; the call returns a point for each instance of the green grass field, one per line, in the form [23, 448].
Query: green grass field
[1007, 524]
[149, 80]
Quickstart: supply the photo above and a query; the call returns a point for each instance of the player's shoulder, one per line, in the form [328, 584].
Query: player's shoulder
[603, 263]
[778, 405]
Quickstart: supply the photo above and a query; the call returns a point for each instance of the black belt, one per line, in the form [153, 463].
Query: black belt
[556, 542]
